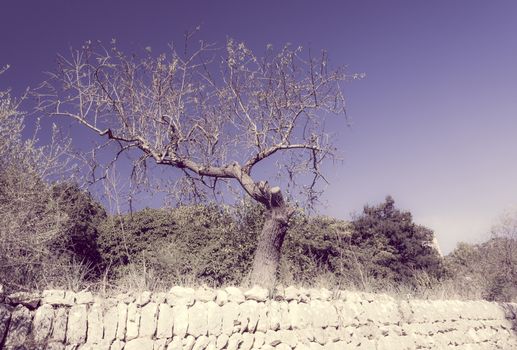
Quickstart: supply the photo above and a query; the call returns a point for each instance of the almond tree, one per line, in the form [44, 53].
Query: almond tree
[215, 114]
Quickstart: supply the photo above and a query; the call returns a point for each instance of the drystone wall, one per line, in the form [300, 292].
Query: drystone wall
[292, 318]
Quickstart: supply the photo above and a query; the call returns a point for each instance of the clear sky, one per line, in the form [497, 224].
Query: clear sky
[434, 123]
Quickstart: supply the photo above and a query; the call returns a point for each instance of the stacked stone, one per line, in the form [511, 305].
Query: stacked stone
[230, 318]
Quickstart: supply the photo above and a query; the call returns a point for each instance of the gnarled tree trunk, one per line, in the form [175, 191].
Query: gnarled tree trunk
[267, 256]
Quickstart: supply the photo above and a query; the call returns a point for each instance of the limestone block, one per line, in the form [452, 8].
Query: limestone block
[395, 342]
[317, 346]
[133, 322]
[230, 314]
[263, 319]
[274, 316]
[5, 317]
[160, 344]
[304, 295]
[301, 346]
[247, 341]
[234, 341]
[304, 336]
[42, 323]
[257, 293]
[288, 337]
[205, 295]
[198, 320]
[159, 297]
[300, 315]
[260, 339]
[279, 293]
[30, 300]
[282, 346]
[110, 321]
[214, 318]
[249, 316]
[121, 320]
[235, 295]
[188, 342]
[148, 320]
[84, 297]
[175, 344]
[95, 324]
[165, 321]
[140, 344]
[180, 316]
[321, 312]
[212, 340]
[322, 294]
[53, 297]
[143, 298]
[69, 298]
[320, 336]
[285, 320]
[103, 345]
[59, 325]
[181, 296]
[19, 327]
[339, 345]
[221, 297]
[348, 312]
[291, 293]
[222, 341]
[77, 324]
[332, 334]
[125, 298]
[201, 343]
[272, 338]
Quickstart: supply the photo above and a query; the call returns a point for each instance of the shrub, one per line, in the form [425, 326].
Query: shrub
[392, 247]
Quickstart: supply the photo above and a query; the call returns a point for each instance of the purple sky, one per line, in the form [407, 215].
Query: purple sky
[434, 123]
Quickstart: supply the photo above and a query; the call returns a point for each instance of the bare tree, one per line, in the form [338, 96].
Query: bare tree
[214, 114]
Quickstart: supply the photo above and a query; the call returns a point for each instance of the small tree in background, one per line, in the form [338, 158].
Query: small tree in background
[393, 246]
[84, 215]
[214, 120]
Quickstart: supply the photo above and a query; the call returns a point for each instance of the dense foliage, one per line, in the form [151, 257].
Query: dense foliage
[489, 268]
[391, 247]
[213, 244]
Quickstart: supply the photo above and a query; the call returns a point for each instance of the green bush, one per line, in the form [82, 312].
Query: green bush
[84, 215]
[393, 248]
[203, 243]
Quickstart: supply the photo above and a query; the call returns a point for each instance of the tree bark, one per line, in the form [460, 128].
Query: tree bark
[267, 256]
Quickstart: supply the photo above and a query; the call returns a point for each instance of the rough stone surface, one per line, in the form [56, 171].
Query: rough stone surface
[295, 319]
[5, 317]
[121, 320]
[235, 294]
[148, 320]
[230, 314]
[214, 318]
[30, 300]
[257, 293]
[110, 321]
[140, 344]
[95, 324]
[84, 297]
[77, 324]
[165, 322]
[133, 322]
[198, 320]
[42, 323]
[19, 327]
[180, 320]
